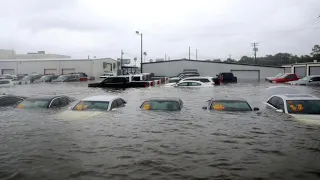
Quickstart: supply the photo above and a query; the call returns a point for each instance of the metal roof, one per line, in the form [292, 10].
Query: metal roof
[53, 59]
[100, 98]
[201, 61]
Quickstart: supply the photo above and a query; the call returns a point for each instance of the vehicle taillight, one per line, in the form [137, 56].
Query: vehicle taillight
[221, 77]
[145, 84]
[151, 83]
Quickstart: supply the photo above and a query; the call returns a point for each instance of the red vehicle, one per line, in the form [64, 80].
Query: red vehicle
[287, 77]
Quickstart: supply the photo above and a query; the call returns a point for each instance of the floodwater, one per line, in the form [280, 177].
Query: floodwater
[131, 144]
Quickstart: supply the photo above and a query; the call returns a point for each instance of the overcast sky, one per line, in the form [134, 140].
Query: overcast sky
[216, 28]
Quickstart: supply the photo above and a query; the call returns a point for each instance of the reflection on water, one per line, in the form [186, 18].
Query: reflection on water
[132, 144]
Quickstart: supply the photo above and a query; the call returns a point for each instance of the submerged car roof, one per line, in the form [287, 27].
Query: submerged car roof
[229, 99]
[100, 98]
[298, 97]
[163, 99]
[49, 97]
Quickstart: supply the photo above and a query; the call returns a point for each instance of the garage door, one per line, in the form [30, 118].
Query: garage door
[243, 76]
[68, 70]
[314, 70]
[300, 71]
[7, 71]
[287, 70]
[50, 71]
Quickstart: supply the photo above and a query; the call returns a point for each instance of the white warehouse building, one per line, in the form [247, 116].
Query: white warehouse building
[92, 67]
[244, 72]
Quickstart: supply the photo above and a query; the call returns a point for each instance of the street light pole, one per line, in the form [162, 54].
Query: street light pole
[137, 32]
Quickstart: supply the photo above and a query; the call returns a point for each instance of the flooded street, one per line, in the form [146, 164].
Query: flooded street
[132, 144]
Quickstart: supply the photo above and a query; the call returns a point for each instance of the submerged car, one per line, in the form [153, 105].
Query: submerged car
[308, 80]
[286, 77]
[45, 102]
[99, 103]
[10, 100]
[164, 104]
[46, 78]
[190, 83]
[6, 83]
[301, 106]
[271, 78]
[229, 104]
[68, 78]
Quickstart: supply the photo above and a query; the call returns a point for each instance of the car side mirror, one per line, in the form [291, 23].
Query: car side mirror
[256, 109]
[279, 110]
[310, 80]
[204, 107]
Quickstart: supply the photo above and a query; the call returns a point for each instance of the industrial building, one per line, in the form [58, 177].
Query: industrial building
[303, 69]
[92, 67]
[11, 54]
[244, 72]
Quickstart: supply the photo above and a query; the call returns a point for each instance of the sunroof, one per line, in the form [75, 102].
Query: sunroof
[298, 95]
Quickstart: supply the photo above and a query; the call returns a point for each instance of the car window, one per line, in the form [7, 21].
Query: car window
[205, 80]
[119, 102]
[194, 84]
[33, 103]
[55, 103]
[280, 104]
[9, 100]
[91, 105]
[303, 106]
[291, 76]
[114, 105]
[315, 79]
[64, 101]
[230, 106]
[160, 105]
[4, 82]
[273, 101]
[183, 84]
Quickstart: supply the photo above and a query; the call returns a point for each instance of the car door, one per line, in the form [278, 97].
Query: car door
[55, 103]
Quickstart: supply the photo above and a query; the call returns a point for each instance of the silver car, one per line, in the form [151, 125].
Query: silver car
[308, 80]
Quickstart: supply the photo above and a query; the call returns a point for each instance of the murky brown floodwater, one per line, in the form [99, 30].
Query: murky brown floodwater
[132, 144]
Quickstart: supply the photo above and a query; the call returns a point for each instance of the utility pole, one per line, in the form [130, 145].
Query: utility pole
[121, 61]
[189, 52]
[196, 54]
[255, 49]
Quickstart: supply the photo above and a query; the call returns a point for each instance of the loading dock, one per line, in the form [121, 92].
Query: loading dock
[314, 70]
[301, 71]
[7, 71]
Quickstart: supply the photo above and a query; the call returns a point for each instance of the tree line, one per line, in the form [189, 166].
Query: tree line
[278, 59]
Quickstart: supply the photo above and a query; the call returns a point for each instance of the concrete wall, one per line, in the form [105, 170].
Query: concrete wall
[92, 67]
[172, 68]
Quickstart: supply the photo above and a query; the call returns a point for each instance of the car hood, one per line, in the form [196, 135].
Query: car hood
[308, 119]
[271, 78]
[170, 84]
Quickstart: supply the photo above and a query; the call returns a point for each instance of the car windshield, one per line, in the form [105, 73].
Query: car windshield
[280, 74]
[230, 106]
[303, 106]
[63, 77]
[33, 103]
[283, 76]
[45, 78]
[161, 105]
[91, 105]
[4, 82]
[307, 78]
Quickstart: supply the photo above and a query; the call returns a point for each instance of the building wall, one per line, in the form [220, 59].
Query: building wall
[92, 67]
[173, 68]
[292, 67]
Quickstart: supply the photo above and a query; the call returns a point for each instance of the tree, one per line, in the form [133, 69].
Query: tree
[315, 51]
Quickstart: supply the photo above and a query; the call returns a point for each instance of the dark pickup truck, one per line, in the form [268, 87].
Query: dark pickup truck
[227, 77]
[120, 82]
